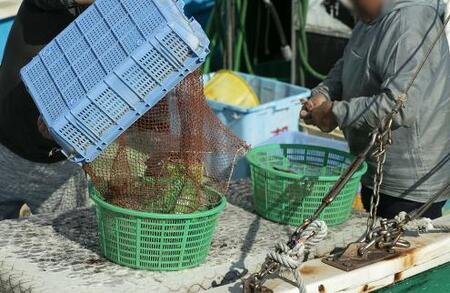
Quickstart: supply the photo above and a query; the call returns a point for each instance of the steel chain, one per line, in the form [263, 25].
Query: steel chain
[382, 140]
[380, 158]
[386, 130]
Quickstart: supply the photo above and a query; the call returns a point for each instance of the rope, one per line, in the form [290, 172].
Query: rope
[424, 225]
[320, 229]
[291, 259]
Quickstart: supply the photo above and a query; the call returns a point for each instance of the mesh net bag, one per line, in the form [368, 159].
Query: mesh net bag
[177, 158]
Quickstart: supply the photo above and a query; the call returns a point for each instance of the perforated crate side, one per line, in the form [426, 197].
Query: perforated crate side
[136, 86]
[109, 67]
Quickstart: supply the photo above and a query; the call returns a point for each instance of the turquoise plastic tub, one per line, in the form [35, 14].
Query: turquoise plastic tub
[5, 27]
[446, 209]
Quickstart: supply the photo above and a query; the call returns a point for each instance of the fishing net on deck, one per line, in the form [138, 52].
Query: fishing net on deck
[177, 158]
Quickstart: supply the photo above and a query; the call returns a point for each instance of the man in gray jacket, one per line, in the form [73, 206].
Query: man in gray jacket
[383, 53]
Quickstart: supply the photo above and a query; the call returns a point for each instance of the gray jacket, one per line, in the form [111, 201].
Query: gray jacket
[378, 62]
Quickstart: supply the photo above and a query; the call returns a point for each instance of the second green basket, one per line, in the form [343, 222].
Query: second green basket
[289, 182]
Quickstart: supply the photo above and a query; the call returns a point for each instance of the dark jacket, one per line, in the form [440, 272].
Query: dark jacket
[36, 24]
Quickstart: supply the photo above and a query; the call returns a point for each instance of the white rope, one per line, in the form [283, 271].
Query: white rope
[424, 225]
[320, 229]
[292, 258]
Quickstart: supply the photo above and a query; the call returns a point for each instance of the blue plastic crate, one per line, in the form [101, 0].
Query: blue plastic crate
[109, 67]
[277, 113]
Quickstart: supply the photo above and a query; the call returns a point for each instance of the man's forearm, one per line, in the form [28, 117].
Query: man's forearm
[53, 4]
[368, 112]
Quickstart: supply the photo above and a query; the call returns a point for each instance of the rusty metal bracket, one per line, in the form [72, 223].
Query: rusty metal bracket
[350, 259]
[254, 283]
[379, 243]
[250, 287]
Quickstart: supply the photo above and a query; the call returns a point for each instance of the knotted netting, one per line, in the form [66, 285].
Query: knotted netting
[177, 158]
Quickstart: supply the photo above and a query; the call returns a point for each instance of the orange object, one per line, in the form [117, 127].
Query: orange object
[357, 204]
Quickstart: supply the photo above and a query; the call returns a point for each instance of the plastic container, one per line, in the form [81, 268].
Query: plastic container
[157, 242]
[299, 137]
[278, 112]
[230, 88]
[5, 27]
[446, 208]
[109, 67]
[289, 182]
[242, 168]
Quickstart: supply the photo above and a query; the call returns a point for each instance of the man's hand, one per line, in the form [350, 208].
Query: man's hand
[43, 129]
[311, 104]
[84, 2]
[323, 117]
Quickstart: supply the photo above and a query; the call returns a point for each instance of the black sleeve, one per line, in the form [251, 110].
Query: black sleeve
[52, 4]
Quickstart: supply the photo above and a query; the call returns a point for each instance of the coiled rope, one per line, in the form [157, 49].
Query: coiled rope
[292, 259]
[423, 225]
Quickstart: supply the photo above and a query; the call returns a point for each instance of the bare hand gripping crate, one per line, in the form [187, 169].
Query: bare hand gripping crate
[109, 67]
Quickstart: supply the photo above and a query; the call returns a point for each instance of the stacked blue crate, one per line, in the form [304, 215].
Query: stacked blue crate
[109, 67]
[277, 113]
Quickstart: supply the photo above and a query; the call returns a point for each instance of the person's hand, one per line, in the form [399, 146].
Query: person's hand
[309, 105]
[322, 116]
[43, 129]
[84, 2]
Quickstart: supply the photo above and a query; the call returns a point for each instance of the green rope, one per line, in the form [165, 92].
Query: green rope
[302, 42]
[242, 45]
[209, 33]
[240, 37]
[248, 63]
[214, 29]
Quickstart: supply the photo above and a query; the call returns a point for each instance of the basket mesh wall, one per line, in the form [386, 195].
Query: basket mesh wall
[165, 160]
[290, 181]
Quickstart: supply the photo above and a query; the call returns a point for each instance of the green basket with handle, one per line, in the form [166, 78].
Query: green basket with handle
[290, 180]
[157, 242]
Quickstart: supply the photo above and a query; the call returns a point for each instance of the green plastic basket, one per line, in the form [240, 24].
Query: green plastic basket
[289, 182]
[157, 242]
